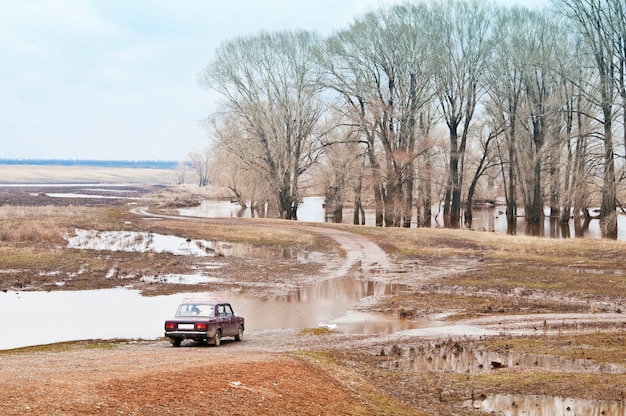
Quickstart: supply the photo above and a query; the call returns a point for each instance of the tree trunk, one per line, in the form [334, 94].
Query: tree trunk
[534, 213]
[358, 207]
[608, 210]
[452, 205]
[511, 200]
[377, 185]
[426, 194]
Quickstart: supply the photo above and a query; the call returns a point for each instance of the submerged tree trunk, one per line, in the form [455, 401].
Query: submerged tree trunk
[608, 210]
[452, 205]
[425, 193]
[358, 188]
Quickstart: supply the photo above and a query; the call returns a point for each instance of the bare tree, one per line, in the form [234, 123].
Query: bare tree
[505, 92]
[483, 164]
[464, 47]
[272, 94]
[381, 67]
[539, 56]
[200, 161]
[595, 21]
[180, 170]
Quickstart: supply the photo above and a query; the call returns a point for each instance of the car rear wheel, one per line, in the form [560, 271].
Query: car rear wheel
[217, 339]
[176, 342]
[239, 335]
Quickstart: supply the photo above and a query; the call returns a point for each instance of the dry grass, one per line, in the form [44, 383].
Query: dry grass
[505, 263]
[34, 224]
[265, 232]
[445, 242]
[607, 347]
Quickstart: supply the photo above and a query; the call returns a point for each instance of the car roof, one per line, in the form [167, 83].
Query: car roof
[211, 300]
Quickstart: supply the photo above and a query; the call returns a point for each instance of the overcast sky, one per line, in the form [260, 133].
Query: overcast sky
[116, 79]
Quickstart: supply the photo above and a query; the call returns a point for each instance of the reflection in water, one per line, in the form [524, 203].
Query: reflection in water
[527, 405]
[132, 241]
[180, 279]
[124, 313]
[487, 219]
[458, 358]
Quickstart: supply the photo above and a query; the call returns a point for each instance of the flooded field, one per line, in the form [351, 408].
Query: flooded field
[124, 313]
[487, 219]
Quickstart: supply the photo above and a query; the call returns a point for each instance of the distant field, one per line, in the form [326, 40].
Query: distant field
[31, 174]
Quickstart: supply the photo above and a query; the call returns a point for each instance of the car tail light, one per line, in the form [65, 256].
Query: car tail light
[201, 326]
[170, 325]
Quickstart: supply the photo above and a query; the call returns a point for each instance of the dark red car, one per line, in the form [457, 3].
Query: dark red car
[204, 321]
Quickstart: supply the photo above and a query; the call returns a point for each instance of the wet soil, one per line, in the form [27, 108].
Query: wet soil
[319, 372]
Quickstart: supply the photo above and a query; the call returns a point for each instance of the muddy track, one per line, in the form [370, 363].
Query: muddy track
[360, 253]
[365, 259]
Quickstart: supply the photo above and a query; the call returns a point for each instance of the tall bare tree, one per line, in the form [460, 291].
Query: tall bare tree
[382, 67]
[272, 94]
[464, 47]
[505, 92]
[539, 49]
[596, 21]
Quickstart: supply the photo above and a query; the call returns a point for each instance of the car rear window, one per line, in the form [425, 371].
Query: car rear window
[196, 309]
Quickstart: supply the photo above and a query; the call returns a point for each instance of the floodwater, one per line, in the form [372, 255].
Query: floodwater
[124, 313]
[312, 209]
[487, 219]
[134, 241]
[47, 317]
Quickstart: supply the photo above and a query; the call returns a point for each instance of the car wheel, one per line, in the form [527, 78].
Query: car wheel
[217, 338]
[176, 342]
[239, 335]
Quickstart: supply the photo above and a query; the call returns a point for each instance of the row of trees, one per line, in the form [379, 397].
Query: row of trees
[428, 104]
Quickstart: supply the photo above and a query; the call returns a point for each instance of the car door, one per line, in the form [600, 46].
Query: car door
[232, 321]
[223, 320]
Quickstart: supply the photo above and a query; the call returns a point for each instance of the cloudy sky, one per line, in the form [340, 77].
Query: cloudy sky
[116, 79]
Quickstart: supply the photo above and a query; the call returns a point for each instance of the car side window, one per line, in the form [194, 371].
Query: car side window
[220, 310]
[229, 310]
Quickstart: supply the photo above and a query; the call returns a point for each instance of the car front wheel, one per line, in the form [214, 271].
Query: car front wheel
[239, 335]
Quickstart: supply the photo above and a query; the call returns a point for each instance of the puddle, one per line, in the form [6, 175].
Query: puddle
[132, 241]
[124, 313]
[528, 405]
[464, 358]
[310, 210]
[355, 322]
[181, 279]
